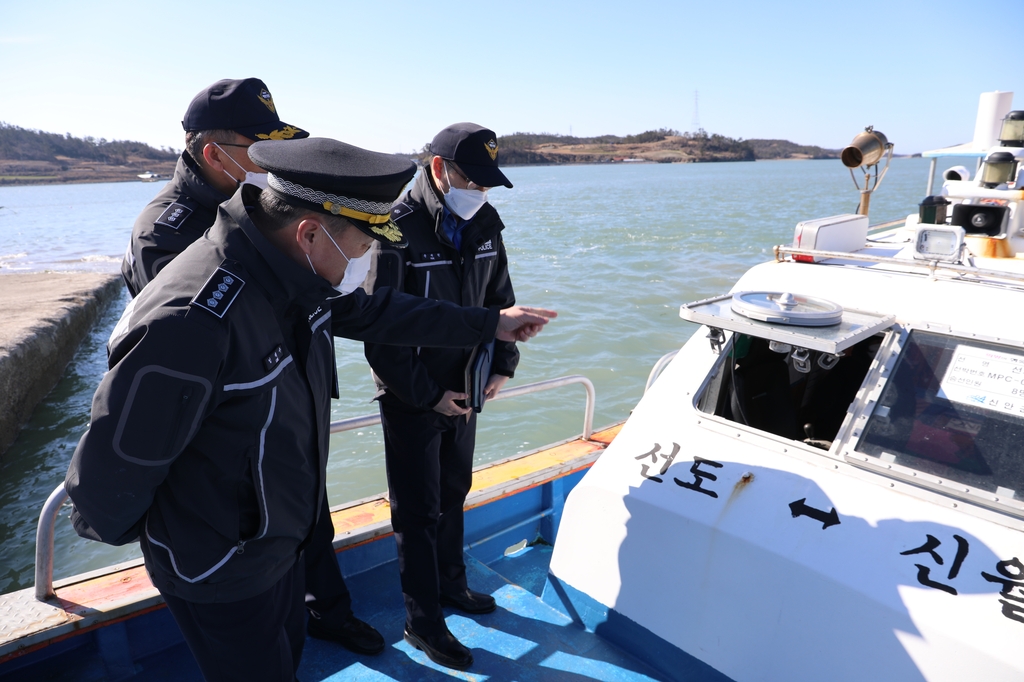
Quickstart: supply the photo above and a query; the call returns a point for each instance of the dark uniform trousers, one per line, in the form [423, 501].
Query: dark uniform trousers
[327, 596]
[429, 458]
[259, 638]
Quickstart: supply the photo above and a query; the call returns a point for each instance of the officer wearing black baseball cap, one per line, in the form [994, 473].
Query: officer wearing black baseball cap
[456, 253]
[475, 149]
[244, 106]
[219, 124]
[210, 432]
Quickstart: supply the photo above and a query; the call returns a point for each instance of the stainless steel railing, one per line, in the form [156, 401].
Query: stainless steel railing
[48, 515]
[514, 392]
[658, 368]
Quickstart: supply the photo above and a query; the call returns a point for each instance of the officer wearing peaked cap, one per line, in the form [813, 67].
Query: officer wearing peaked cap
[210, 432]
[220, 123]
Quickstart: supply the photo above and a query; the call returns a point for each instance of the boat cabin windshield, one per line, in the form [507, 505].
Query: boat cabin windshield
[790, 392]
[953, 408]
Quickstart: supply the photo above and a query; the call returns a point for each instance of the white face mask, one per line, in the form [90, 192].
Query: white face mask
[463, 202]
[258, 179]
[355, 271]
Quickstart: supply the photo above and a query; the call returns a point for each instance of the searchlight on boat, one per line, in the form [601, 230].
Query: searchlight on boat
[1012, 132]
[998, 169]
[866, 151]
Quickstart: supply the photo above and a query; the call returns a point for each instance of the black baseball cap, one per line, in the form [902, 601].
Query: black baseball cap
[475, 150]
[244, 106]
[337, 179]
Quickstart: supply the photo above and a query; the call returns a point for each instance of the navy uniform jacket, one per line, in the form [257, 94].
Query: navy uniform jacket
[431, 267]
[209, 435]
[176, 217]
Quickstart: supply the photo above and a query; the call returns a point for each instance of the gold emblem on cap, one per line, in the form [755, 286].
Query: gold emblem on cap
[286, 133]
[492, 149]
[268, 100]
[389, 231]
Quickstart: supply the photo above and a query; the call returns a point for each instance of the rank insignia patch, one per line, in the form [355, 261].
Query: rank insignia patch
[274, 359]
[219, 292]
[174, 215]
[492, 149]
[400, 210]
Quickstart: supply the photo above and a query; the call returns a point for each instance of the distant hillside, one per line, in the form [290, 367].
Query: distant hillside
[784, 149]
[34, 157]
[661, 146]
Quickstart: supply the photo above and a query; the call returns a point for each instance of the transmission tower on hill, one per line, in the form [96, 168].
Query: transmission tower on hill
[695, 124]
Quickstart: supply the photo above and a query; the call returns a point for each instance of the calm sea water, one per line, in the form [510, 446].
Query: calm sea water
[615, 249]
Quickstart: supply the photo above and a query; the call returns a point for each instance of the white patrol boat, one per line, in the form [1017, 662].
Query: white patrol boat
[827, 482]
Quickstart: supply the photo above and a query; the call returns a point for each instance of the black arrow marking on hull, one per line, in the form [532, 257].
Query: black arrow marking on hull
[827, 518]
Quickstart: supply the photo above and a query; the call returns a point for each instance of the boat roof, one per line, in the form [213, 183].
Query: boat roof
[968, 149]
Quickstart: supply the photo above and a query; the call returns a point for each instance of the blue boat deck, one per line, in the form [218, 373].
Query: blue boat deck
[113, 627]
[524, 640]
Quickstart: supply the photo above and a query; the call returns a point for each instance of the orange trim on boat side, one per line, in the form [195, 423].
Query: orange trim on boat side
[608, 435]
[353, 518]
[130, 587]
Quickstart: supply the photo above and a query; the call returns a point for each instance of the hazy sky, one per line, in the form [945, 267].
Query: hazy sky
[389, 75]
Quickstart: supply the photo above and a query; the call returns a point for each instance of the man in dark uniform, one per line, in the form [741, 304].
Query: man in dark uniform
[221, 122]
[455, 254]
[209, 434]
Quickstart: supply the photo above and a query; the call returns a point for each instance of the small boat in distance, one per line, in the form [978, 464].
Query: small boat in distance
[150, 176]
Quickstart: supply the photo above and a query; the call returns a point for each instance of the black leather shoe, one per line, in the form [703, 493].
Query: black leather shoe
[470, 601]
[353, 634]
[442, 649]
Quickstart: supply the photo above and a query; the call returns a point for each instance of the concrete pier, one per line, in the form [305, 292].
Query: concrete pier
[43, 319]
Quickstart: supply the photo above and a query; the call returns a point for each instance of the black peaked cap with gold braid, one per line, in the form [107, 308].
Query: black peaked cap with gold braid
[335, 178]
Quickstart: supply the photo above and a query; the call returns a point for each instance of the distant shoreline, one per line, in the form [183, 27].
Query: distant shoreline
[77, 172]
[121, 174]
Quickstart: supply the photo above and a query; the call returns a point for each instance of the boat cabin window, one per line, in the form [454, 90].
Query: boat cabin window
[798, 394]
[953, 408]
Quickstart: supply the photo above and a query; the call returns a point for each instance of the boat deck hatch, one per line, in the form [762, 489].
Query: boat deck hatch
[720, 312]
[793, 393]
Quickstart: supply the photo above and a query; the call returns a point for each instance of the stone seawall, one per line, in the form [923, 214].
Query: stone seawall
[43, 319]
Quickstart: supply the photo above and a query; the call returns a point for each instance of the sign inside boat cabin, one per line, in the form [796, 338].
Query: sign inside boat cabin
[985, 378]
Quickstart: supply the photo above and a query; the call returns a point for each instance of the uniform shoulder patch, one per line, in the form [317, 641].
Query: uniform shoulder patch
[275, 358]
[219, 292]
[399, 211]
[174, 215]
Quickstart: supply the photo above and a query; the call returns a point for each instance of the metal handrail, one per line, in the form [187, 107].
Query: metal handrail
[514, 392]
[929, 265]
[658, 368]
[44, 543]
[48, 515]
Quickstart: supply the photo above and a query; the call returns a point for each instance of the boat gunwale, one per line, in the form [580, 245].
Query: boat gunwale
[144, 598]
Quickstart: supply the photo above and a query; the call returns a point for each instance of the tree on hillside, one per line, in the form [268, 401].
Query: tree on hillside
[23, 144]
